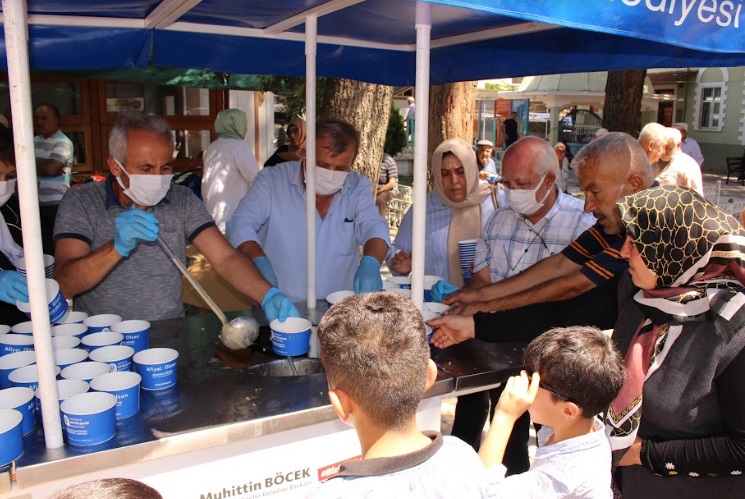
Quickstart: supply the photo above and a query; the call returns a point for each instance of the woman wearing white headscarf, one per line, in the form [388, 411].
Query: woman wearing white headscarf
[229, 167]
[456, 210]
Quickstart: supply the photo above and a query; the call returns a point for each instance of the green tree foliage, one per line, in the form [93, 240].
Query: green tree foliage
[395, 135]
[293, 89]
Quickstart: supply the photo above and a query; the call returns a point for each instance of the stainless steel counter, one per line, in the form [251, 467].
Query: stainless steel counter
[213, 404]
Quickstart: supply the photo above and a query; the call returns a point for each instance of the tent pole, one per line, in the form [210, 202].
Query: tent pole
[311, 39]
[19, 81]
[421, 117]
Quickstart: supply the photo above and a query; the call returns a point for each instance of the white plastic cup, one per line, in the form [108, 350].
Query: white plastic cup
[69, 356]
[401, 291]
[4, 329]
[433, 306]
[23, 328]
[89, 418]
[21, 399]
[136, 334]
[20, 265]
[103, 339]
[118, 357]
[74, 329]
[101, 322]
[125, 386]
[58, 307]
[402, 282]
[291, 337]
[337, 296]
[27, 376]
[11, 342]
[85, 371]
[66, 388]
[74, 317]
[11, 436]
[13, 361]
[428, 316]
[62, 342]
[157, 366]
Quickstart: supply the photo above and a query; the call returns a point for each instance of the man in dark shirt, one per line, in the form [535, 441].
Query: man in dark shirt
[511, 130]
[578, 286]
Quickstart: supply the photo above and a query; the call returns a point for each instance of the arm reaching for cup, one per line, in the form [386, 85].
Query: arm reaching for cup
[452, 329]
[518, 395]
[401, 262]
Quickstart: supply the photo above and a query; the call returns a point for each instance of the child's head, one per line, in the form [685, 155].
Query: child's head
[109, 488]
[578, 364]
[374, 349]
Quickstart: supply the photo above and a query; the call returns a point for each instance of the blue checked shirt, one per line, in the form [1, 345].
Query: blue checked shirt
[509, 243]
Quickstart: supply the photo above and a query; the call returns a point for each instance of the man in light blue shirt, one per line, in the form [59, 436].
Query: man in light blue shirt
[269, 225]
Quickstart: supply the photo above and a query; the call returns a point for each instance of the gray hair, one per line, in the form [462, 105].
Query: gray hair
[618, 147]
[674, 135]
[652, 132]
[135, 121]
[343, 136]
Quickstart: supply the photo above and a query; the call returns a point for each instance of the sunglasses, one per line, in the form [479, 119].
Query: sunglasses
[558, 394]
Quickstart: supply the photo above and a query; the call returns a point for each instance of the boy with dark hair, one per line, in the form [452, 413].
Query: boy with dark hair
[576, 373]
[376, 357]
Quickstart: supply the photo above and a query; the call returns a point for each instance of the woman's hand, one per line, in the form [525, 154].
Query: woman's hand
[401, 262]
[633, 455]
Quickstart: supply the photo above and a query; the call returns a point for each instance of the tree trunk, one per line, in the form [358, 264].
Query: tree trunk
[451, 109]
[366, 106]
[623, 99]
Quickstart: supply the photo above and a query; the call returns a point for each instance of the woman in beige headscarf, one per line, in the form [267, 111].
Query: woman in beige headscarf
[291, 151]
[457, 207]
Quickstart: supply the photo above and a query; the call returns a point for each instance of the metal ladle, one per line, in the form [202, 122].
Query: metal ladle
[240, 327]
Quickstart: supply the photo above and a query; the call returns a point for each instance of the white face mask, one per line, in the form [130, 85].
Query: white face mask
[329, 182]
[7, 188]
[523, 200]
[145, 190]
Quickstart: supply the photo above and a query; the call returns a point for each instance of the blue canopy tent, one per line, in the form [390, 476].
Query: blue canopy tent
[394, 42]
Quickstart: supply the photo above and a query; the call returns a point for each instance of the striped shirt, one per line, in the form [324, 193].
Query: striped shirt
[388, 170]
[598, 253]
[510, 243]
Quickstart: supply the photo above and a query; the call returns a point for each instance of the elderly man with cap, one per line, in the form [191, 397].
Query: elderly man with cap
[688, 145]
[486, 164]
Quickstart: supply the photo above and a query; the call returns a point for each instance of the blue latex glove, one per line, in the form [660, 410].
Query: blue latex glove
[133, 226]
[265, 267]
[278, 306]
[442, 289]
[13, 287]
[367, 278]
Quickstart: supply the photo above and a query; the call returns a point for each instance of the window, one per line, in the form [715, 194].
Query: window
[162, 100]
[711, 107]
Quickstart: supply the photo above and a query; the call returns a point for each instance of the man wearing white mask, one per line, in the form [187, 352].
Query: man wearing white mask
[269, 225]
[540, 221]
[105, 254]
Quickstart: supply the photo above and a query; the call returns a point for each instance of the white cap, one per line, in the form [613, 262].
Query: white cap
[681, 126]
[600, 132]
[485, 142]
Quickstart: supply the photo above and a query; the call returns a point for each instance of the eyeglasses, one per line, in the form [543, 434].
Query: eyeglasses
[558, 394]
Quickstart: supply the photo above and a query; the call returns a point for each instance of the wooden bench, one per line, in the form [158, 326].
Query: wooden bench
[734, 167]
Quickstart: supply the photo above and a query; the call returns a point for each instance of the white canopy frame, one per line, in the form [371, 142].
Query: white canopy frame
[16, 23]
